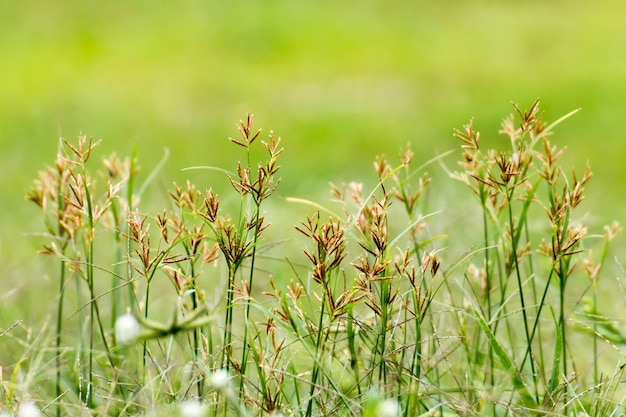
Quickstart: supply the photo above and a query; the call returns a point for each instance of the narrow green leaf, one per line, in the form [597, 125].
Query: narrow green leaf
[505, 360]
[556, 365]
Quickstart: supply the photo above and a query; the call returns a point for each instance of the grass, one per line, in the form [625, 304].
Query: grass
[403, 298]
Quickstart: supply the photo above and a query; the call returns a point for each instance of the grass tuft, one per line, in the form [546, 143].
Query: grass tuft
[197, 308]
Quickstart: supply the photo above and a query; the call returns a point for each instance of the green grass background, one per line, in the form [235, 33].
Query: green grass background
[339, 81]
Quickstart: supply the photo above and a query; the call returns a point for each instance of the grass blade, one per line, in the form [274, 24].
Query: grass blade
[505, 361]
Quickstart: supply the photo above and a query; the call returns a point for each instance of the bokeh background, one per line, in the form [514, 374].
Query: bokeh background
[339, 81]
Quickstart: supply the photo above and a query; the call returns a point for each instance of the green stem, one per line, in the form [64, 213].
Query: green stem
[90, 284]
[59, 330]
[197, 333]
[228, 321]
[382, 338]
[416, 362]
[519, 285]
[514, 243]
[562, 281]
[244, 357]
[316, 365]
[115, 276]
[58, 335]
[145, 342]
[354, 362]
[537, 324]
[483, 200]
[518, 275]
[94, 316]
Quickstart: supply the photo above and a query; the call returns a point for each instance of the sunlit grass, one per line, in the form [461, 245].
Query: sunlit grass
[403, 297]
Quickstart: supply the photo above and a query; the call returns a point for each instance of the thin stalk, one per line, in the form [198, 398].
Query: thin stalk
[318, 349]
[90, 272]
[596, 378]
[132, 296]
[354, 362]
[483, 200]
[382, 338]
[562, 318]
[197, 336]
[521, 291]
[80, 354]
[244, 355]
[58, 331]
[416, 362]
[596, 373]
[502, 283]
[133, 302]
[115, 276]
[487, 274]
[542, 302]
[228, 320]
[145, 342]
[197, 332]
[518, 276]
[535, 300]
[296, 388]
[562, 273]
[94, 309]
[59, 324]
[563, 265]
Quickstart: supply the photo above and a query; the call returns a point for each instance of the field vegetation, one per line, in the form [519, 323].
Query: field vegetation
[189, 273]
[389, 308]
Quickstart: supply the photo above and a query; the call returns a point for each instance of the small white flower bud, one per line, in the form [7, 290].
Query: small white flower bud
[126, 329]
[388, 408]
[220, 379]
[192, 408]
[28, 409]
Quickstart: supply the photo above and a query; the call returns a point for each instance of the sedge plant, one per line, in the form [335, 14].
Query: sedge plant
[380, 305]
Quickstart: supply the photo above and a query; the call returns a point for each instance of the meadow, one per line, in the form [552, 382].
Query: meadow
[427, 306]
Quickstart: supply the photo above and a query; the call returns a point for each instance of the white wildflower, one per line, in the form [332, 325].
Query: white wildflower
[192, 408]
[220, 379]
[388, 408]
[28, 409]
[126, 329]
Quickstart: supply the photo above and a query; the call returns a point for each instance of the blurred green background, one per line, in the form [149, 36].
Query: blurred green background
[339, 81]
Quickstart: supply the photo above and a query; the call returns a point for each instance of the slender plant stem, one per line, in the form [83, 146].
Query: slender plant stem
[228, 320]
[244, 355]
[90, 284]
[521, 289]
[94, 316]
[488, 276]
[382, 338]
[316, 365]
[144, 343]
[115, 276]
[563, 265]
[354, 362]
[59, 324]
[58, 333]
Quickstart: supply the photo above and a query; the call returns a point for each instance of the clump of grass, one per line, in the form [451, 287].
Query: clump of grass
[370, 313]
[73, 211]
